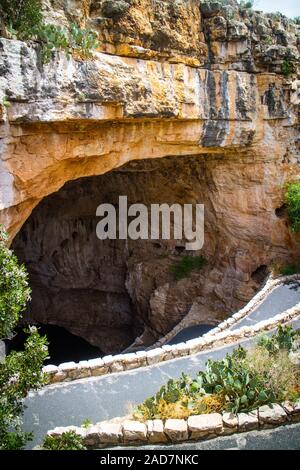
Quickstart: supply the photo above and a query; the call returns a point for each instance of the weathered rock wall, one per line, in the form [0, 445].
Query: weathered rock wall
[189, 31]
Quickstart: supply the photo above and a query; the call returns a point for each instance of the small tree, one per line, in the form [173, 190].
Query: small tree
[19, 371]
[23, 19]
[14, 290]
[22, 15]
[67, 441]
[292, 198]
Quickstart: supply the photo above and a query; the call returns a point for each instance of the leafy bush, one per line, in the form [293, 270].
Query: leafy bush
[279, 376]
[52, 38]
[14, 291]
[186, 265]
[290, 269]
[268, 40]
[86, 423]
[246, 386]
[24, 21]
[21, 16]
[115, 9]
[67, 441]
[292, 198]
[83, 40]
[287, 68]
[279, 269]
[242, 381]
[246, 4]
[20, 371]
[297, 20]
[79, 41]
[170, 401]
[282, 340]
[243, 389]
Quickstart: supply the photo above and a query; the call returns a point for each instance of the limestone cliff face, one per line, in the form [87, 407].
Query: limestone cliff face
[189, 31]
[200, 83]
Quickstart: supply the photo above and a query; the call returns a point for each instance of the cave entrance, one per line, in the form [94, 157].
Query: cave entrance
[120, 293]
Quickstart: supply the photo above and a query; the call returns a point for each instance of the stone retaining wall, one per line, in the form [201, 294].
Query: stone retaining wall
[200, 427]
[124, 362]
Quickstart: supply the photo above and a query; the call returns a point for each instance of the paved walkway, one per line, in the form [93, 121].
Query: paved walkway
[281, 299]
[190, 333]
[109, 396]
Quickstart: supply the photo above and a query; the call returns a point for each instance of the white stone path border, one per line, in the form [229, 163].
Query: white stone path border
[219, 337]
[123, 431]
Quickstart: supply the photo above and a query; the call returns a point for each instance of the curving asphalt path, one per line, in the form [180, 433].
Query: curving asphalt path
[285, 437]
[191, 332]
[278, 301]
[102, 398]
[282, 298]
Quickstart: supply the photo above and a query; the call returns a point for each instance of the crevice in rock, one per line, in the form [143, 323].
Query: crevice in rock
[260, 274]
[281, 212]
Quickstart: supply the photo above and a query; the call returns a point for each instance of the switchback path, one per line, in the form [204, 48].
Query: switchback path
[105, 397]
[285, 296]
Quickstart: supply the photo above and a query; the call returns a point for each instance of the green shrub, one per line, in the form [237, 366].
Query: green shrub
[77, 40]
[281, 340]
[21, 16]
[20, 371]
[297, 20]
[115, 9]
[186, 265]
[52, 38]
[290, 269]
[277, 374]
[249, 380]
[287, 68]
[67, 441]
[242, 388]
[241, 382]
[292, 198]
[246, 4]
[83, 40]
[6, 102]
[174, 392]
[14, 290]
[24, 21]
[268, 40]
